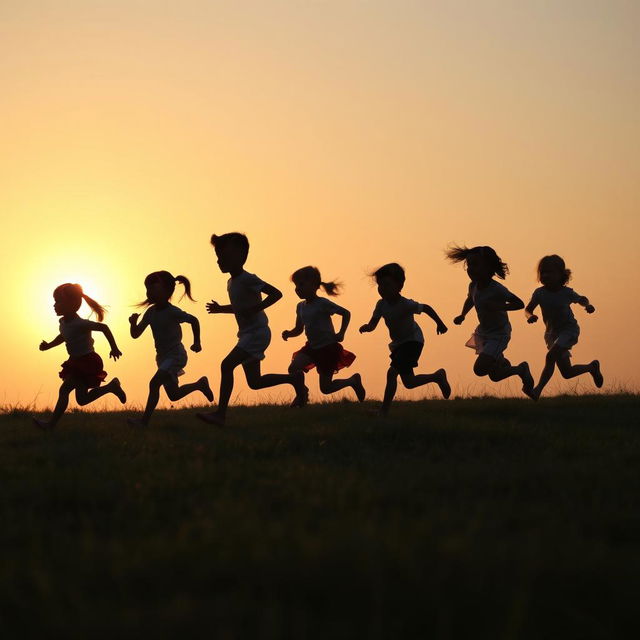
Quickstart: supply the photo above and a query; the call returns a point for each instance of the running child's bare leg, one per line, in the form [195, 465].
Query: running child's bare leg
[85, 396]
[329, 385]
[176, 392]
[411, 381]
[235, 358]
[567, 370]
[547, 372]
[257, 380]
[155, 385]
[389, 391]
[61, 405]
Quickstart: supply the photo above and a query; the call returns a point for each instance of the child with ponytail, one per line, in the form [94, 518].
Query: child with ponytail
[171, 356]
[323, 349]
[83, 371]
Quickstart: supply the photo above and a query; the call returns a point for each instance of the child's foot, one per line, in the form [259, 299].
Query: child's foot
[213, 417]
[361, 393]
[117, 389]
[527, 379]
[598, 380]
[206, 388]
[45, 425]
[443, 383]
[302, 398]
[136, 423]
[536, 392]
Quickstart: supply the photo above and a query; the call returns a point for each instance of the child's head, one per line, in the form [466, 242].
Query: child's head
[231, 249]
[160, 286]
[552, 271]
[482, 263]
[308, 281]
[68, 298]
[390, 280]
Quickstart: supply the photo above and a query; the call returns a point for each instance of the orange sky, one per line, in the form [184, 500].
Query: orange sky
[340, 134]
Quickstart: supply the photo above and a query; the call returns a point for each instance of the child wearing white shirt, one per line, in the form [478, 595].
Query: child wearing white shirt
[407, 340]
[562, 330]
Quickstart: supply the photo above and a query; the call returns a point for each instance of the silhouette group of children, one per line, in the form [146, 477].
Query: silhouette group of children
[249, 296]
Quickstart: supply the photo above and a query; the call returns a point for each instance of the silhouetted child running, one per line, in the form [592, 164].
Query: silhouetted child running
[407, 340]
[492, 302]
[562, 330]
[165, 319]
[323, 349]
[83, 371]
[245, 294]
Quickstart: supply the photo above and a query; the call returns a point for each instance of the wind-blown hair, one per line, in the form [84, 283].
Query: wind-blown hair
[73, 294]
[234, 239]
[392, 270]
[312, 274]
[169, 282]
[557, 263]
[487, 254]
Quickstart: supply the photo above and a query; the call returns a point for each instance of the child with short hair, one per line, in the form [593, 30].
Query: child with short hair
[562, 330]
[247, 305]
[407, 340]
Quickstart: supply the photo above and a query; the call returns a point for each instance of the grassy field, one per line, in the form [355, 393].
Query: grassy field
[470, 518]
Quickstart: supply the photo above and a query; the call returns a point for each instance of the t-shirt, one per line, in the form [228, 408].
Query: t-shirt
[489, 303]
[398, 316]
[165, 326]
[245, 291]
[556, 307]
[316, 318]
[77, 336]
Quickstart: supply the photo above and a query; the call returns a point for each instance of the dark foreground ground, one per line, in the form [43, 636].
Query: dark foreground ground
[478, 518]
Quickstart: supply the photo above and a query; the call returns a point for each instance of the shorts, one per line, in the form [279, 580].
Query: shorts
[328, 359]
[404, 357]
[87, 369]
[173, 362]
[254, 342]
[564, 339]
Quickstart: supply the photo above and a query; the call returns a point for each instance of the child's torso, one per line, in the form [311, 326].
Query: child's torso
[77, 336]
[556, 307]
[165, 326]
[316, 318]
[399, 318]
[245, 291]
[489, 304]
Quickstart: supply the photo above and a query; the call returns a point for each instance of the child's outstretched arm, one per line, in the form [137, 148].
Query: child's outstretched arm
[195, 327]
[345, 314]
[136, 329]
[529, 309]
[296, 331]
[115, 353]
[583, 301]
[441, 327]
[513, 303]
[214, 307]
[58, 340]
[466, 307]
[371, 325]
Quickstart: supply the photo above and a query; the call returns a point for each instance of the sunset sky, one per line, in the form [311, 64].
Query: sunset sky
[341, 134]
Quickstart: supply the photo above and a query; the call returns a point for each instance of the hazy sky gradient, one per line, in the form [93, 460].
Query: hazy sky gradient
[340, 134]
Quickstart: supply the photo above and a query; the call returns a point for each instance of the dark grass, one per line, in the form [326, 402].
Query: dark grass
[470, 518]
